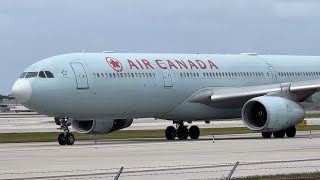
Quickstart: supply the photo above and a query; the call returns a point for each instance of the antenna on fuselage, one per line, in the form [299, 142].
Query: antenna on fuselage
[108, 51]
[250, 54]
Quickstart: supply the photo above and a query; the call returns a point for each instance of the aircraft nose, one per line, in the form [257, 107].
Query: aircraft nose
[21, 90]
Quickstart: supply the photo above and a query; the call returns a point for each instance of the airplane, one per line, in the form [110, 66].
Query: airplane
[103, 92]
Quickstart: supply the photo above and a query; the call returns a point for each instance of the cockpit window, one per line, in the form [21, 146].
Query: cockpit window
[49, 74]
[42, 75]
[31, 74]
[23, 74]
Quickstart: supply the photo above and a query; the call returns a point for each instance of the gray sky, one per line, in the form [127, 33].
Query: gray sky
[31, 30]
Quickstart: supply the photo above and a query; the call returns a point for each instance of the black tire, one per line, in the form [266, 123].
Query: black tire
[194, 132]
[57, 121]
[279, 134]
[62, 139]
[70, 139]
[291, 132]
[182, 132]
[171, 133]
[266, 135]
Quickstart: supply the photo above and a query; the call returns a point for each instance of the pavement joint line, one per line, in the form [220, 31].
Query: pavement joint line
[176, 169]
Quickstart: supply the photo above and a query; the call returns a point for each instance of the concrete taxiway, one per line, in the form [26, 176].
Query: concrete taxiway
[31, 122]
[26, 122]
[161, 159]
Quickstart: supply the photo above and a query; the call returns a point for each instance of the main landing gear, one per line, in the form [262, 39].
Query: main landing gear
[290, 132]
[181, 131]
[65, 138]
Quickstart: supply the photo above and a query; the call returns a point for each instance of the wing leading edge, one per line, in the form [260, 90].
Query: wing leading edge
[236, 97]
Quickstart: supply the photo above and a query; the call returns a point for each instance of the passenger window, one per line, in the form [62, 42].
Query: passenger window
[98, 75]
[49, 74]
[23, 75]
[106, 75]
[102, 75]
[42, 75]
[31, 74]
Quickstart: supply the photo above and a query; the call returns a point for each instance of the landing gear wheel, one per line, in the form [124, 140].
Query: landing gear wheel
[266, 134]
[69, 139]
[194, 132]
[65, 137]
[291, 132]
[182, 132]
[279, 134]
[62, 139]
[171, 133]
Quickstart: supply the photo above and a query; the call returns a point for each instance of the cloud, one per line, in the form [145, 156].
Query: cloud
[297, 10]
[35, 29]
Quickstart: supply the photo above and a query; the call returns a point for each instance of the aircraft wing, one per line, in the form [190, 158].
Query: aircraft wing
[236, 97]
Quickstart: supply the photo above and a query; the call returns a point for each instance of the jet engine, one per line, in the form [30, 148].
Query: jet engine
[100, 126]
[270, 113]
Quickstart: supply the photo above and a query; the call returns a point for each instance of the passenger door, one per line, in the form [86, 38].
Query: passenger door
[273, 74]
[166, 75]
[80, 75]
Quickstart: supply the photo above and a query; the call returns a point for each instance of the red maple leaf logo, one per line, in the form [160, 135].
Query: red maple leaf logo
[115, 64]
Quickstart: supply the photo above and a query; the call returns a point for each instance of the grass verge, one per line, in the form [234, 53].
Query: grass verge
[52, 136]
[312, 115]
[304, 176]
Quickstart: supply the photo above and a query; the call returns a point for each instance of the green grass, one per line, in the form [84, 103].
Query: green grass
[315, 114]
[312, 115]
[51, 137]
[304, 176]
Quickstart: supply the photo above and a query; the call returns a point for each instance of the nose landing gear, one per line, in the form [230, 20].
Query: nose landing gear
[181, 131]
[65, 138]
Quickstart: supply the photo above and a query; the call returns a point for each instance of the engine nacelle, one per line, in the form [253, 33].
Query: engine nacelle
[270, 113]
[100, 126]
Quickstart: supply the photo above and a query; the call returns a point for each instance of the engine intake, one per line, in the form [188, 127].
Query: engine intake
[269, 113]
[100, 126]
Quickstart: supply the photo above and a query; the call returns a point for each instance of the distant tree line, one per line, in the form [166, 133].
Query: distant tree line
[5, 97]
